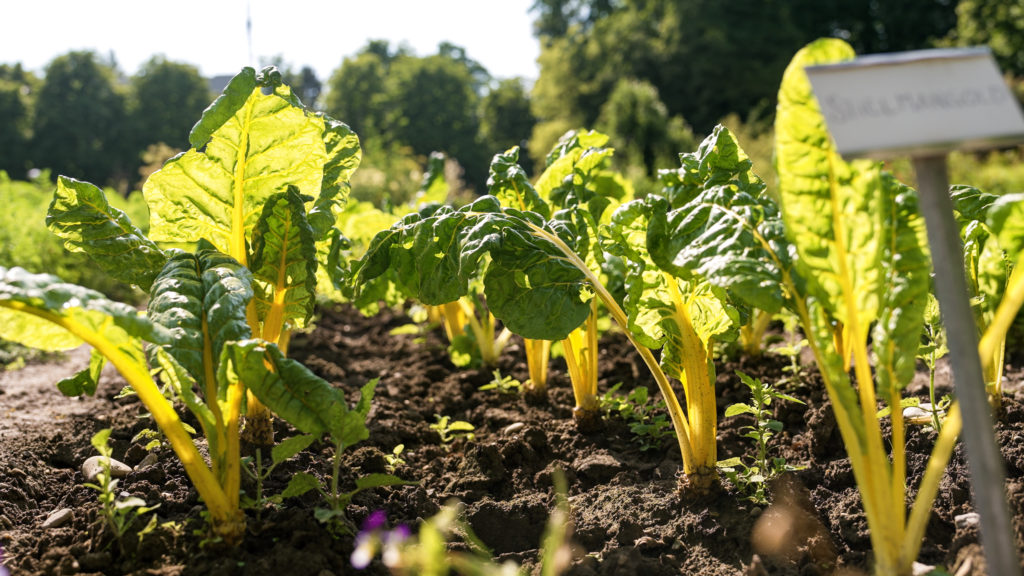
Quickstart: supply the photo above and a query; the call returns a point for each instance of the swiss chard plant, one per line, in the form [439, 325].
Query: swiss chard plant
[578, 183]
[844, 249]
[992, 239]
[535, 276]
[230, 264]
[263, 183]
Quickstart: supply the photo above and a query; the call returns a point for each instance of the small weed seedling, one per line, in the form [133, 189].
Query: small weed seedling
[933, 346]
[254, 467]
[503, 384]
[647, 418]
[346, 428]
[394, 460]
[753, 478]
[118, 513]
[449, 430]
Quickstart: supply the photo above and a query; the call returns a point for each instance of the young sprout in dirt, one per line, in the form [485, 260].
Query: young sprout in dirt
[345, 428]
[448, 430]
[118, 512]
[259, 471]
[393, 460]
[647, 419]
[932, 348]
[752, 475]
[503, 384]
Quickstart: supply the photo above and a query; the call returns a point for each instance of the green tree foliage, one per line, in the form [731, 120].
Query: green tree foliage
[506, 120]
[640, 128]
[168, 97]
[396, 100]
[80, 120]
[356, 91]
[996, 23]
[433, 107]
[706, 58]
[16, 90]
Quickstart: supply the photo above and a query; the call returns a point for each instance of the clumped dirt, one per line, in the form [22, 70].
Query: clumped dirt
[627, 514]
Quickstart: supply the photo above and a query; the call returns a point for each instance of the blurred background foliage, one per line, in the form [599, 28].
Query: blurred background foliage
[655, 75]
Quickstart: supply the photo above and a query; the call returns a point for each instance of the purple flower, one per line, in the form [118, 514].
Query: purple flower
[376, 520]
[3, 569]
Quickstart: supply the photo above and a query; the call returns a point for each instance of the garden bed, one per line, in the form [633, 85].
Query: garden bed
[627, 514]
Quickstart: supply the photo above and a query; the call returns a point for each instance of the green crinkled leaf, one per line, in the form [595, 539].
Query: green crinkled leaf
[509, 184]
[343, 157]
[224, 107]
[285, 386]
[529, 285]
[209, 286]
[41, 311]
[284, 260]
[904, 294]
[651, 292]
[832, 209]
[532, 289]
[251, 148]
[716, 221]
[82, 217]
[85, 381]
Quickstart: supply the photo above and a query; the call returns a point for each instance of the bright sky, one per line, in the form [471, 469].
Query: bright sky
[211, 34]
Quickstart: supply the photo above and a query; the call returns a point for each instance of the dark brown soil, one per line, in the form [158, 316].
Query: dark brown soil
[628, 516]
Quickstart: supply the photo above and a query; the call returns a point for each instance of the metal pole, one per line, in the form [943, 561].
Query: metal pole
[983, 458]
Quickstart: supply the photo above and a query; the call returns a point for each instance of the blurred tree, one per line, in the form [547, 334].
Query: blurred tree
[17, 90]
[304, 82]
[432, 106]
[356, 91]
[168, 99]
[80, 126]
[706, 58]
[640, 129]
[999, 24]
[305, 85]
[506, 120]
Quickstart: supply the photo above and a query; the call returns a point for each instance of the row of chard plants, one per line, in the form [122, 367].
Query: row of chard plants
[251, 225]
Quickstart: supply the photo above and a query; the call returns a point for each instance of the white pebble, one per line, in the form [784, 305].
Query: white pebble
[57, 518]
[513, 428]
[966, 521]
[92, 467]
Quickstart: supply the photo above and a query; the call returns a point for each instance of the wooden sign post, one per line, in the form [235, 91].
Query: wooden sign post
[924, 104]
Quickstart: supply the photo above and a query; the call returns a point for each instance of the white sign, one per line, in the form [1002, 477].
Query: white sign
[917, 103]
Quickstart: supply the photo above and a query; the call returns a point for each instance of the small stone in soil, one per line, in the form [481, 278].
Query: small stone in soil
[967, 521]
[149, 460]
[91, 468]
[57, 518]
[513, 428]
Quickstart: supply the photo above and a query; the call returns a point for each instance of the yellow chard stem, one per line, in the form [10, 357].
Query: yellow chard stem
[995, 335]
[698, 389]
[679, 421]
[138, 377]
[537, 354]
